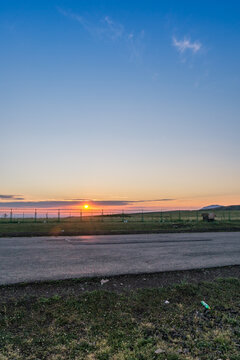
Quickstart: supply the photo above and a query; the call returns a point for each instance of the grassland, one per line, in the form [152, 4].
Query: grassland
[103, 325]
[175, 221]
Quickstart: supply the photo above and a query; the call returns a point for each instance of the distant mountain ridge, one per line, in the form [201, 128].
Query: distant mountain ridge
[211, 207]
[221, 207]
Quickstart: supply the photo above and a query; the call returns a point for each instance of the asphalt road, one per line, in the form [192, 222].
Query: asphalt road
[45, 258]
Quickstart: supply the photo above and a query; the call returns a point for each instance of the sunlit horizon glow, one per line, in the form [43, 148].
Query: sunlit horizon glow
[123, 105]
[119, 205]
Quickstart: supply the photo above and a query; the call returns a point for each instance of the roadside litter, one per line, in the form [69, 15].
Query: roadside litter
[159, 351]
[104, 281]
[205, 305]
[166, 302]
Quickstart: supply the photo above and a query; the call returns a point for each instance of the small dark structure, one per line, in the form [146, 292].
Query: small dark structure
[208, 216]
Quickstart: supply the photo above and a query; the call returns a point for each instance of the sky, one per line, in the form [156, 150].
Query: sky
[119, 103]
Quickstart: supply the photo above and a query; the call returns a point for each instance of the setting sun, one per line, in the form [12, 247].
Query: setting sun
[86, 206]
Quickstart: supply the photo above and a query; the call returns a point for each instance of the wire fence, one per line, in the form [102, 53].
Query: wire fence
[125, 215]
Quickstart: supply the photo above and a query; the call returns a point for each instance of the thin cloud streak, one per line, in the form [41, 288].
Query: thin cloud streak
[112, 29]
[107, 28]
[67, 203]
[85, 24]
[104, 28]
[186, 44]
[11, 197]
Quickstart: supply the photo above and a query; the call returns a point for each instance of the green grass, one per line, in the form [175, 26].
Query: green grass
[131, 326]
[155, 222]
[107, 226]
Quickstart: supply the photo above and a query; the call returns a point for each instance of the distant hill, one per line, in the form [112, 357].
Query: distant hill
[221, 207]
[211, 207]
[231, 207]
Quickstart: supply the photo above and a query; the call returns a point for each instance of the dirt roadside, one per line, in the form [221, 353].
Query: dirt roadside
[121, 283]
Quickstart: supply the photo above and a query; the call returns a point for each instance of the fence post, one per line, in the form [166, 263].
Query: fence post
[102, 216]
[179, 215]
[161, 218]
[81, 215]
[46, 217]
[122, 215]
[142, 219]
[58, 215]
[11, 215]
[35, 215]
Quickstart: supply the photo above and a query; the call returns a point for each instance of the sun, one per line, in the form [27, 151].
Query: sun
[86, 206]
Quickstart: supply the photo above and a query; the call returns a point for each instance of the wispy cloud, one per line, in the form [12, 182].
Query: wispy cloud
[103, 28]
[85, 24]
[108, 29]
[112, 29]
[69, 203]
[11, 197]
[186, 44]
[135, 44]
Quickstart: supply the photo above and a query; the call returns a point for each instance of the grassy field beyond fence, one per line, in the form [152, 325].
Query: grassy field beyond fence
[122, 223]
[40, 215]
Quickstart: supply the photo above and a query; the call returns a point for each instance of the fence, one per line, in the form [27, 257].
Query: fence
[125, 215]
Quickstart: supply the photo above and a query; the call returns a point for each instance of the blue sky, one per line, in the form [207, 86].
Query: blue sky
[112, 100]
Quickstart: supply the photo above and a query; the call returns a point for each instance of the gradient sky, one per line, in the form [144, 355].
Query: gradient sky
[120, 101]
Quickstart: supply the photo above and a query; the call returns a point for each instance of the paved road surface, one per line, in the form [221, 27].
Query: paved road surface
[42, 258]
